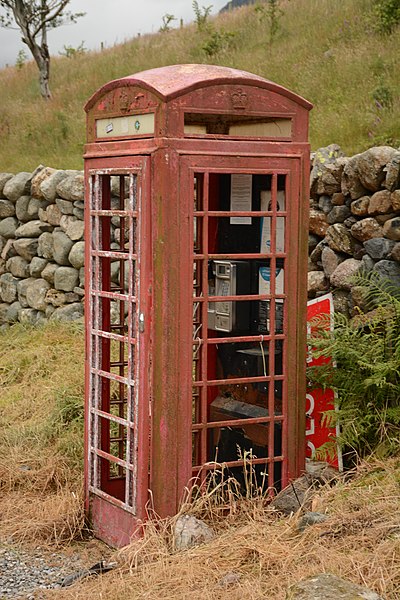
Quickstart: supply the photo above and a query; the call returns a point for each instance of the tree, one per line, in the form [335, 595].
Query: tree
[34, 18]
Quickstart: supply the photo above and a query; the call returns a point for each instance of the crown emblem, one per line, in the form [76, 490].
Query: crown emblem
[124, 101]
[239, 99]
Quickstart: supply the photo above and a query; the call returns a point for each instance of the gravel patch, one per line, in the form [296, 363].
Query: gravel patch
[23, 573]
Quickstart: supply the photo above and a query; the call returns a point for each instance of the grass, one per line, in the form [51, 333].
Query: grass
[41, 433]
[41, 441]
[327, 51]
[266, 554]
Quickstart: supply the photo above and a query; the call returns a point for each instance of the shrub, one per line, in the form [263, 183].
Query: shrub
[366, 375]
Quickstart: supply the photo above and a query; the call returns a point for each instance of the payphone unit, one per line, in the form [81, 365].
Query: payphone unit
[196, 262]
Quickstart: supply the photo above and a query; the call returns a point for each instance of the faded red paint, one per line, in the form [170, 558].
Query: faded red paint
[147, 367]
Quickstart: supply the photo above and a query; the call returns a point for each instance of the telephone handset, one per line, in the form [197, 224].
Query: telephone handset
[229, 278]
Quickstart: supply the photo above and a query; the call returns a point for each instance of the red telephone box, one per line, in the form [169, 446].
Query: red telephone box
[196, 261]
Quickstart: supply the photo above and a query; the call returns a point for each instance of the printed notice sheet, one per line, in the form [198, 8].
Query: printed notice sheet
[241, 185]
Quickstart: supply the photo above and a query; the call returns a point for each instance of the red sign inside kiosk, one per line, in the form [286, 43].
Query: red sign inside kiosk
[319, 400]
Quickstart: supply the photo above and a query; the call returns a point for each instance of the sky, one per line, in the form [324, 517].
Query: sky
[107, 21]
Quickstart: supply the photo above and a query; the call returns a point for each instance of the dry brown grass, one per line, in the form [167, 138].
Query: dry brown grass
[41, 433]
[360, 541]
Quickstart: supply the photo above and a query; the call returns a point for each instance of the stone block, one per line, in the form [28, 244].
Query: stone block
[8, 227]
[21, 208]
[32, 229]
[8, 288]
[4, 177]
[26, 247]
[19, 185]
[70, 312]
[366, 229]
[36, 266]
[18, 266]
[380, 203]
[66, 278]
[62, 245]
[7, 208]
[71, 187]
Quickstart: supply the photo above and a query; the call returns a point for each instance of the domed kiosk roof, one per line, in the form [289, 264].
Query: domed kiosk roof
[172, 81]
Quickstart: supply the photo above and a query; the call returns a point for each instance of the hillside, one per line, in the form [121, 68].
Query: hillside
[255, 554]
[325, 50]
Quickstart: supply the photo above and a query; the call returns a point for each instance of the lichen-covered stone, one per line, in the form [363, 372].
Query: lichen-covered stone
[338, 214]
[317, 282]
[36, 266]
[8, 227]
[366, 229]
[340, 239]
[322, 158]
[330, 260]
[318, 223]
[379, 248]
[8, 288]
[66, 206]
[325, 586]
[22, 286]
[66, 278]
[392, 170]
[190, 531]
[18, 266]
[48, 272]
[70, 312]
[53, 214]
[390, 270]
[4, 177]
[48, 186]
[341, 277]
[391, 229]
[17, 186]
[77, 255]
[359, 207]
[351, 184]
[73, 227]
[371, 165]
[395, 200]
[46, 245]
[71, 187]
[7, 208]
[36, 294]
[26, 247]
[380, 203]
[62, 245]
[21, 208]
[32, 229]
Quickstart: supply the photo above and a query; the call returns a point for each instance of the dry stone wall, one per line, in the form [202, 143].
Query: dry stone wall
[354, 222]
[41, 246]
[354, 225]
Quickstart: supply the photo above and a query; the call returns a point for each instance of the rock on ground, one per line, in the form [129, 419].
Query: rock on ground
[329, 587]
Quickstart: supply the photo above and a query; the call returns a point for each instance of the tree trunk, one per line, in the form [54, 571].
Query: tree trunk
[42, 59]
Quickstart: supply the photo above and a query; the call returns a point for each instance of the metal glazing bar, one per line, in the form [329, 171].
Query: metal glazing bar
[210, 466]
[237, 380]
[111, 458]
[114, 213]
[238, 213]
[113, 254]
[112, 376]
[113, 296]
[109, 335]
[238, 422]
[113, 418]
[204, 314]
[111, 499]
